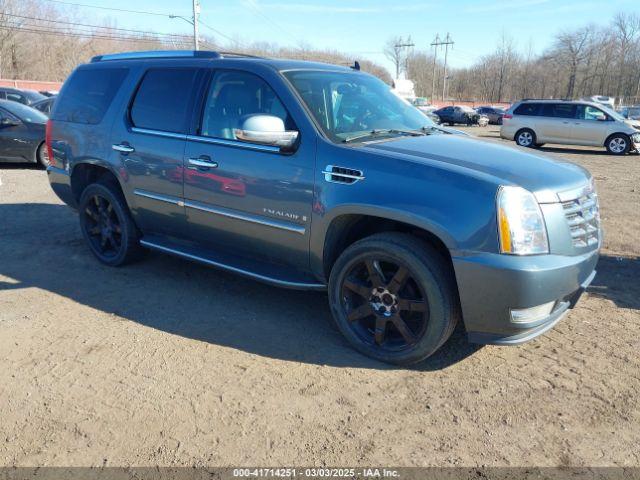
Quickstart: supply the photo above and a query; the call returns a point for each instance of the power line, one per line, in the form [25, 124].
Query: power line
[97, 26]
[32, 29]
[113, 9]
[258, 11]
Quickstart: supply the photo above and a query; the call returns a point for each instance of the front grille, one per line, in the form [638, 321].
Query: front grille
[583, 218]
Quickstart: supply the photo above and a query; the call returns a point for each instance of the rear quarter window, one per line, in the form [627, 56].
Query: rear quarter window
[88, 94]
[162, 101]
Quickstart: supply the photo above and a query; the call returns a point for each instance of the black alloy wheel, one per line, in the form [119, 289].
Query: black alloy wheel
[107, 225]
[393, 297]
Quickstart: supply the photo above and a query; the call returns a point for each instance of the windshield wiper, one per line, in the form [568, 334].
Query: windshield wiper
[384, 131]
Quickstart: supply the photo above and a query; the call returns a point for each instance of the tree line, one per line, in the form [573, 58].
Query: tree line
[590, 60]
[41, 41]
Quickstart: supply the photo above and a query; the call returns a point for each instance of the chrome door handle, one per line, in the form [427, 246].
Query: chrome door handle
[202, 163]
[123, 148]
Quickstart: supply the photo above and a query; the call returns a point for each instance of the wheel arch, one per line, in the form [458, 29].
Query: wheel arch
[350, 225]
[626, 135]
[85, 173]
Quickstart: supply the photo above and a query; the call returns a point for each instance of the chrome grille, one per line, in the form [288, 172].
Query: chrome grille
[583, 218]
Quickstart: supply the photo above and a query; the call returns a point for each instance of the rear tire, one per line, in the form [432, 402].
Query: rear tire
[106, 224]
[525, 138]
[394, 298]
[42, 155]
[618, 144]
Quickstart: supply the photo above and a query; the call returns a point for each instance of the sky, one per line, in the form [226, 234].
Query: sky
[361, 27]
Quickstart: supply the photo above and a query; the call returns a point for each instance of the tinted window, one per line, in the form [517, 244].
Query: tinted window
[25, 113]
[559, 110]
[88, 94]
[528, 109]
[232, 96]
[162, 100]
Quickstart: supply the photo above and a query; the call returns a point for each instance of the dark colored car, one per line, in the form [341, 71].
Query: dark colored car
[314, 176]
[45, 105]
[26, 97]
[22, 134]
[493, 113]
[458, 114]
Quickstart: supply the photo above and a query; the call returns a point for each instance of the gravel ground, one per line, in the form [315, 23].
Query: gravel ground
[166, 362]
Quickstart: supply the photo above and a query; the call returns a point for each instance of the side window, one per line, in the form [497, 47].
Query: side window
[530, 109]
[3, 95]
[587, 112]
[4, 114]
[16, 97]
[162, 100]
[233, 95]
[559, 110]
[87, 95]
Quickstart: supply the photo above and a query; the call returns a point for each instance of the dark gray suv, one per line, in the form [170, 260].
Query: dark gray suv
[315, 176]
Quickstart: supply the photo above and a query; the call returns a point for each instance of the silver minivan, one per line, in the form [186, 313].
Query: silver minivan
[532, 123]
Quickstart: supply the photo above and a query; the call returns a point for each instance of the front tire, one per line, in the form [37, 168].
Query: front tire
[618, 144]
[394, 298]
[526, 138]
[107, 226]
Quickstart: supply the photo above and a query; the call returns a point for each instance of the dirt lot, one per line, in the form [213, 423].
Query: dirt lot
[171, 363]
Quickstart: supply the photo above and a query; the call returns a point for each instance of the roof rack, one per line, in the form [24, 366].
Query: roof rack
[548, 99]
[157, 54]
[237, 54]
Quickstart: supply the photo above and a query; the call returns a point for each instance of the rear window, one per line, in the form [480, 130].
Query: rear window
[88, 94]
[528, 109]
[162, 100]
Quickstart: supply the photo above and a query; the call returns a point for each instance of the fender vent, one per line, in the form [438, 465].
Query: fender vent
[335, 174]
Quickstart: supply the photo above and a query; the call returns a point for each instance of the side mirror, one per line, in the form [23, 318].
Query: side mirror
[266, 130]
[9, 122]
[602, 118]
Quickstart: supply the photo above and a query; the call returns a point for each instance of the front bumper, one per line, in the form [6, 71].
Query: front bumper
[491, 285]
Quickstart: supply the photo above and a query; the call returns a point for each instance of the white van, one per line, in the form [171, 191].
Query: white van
[532, 123]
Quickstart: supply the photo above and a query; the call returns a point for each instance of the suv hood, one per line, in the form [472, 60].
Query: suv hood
[509, 165]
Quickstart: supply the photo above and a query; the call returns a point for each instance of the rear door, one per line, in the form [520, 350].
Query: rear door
[556, 123]
[149, 143]
[241, 198]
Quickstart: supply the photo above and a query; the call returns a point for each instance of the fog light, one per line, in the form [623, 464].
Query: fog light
[527, 315]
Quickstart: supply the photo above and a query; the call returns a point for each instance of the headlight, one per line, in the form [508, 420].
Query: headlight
[521, 227]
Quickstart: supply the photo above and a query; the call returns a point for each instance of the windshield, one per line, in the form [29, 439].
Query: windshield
[24, 113]
[347, 105]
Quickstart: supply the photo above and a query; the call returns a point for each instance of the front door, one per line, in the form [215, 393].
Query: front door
[150, 145]
[591, 126]
[247, 199]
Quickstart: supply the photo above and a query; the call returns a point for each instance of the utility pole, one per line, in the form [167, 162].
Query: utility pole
[196, 14]
[435, 44]
[446, 43]
[399, 46]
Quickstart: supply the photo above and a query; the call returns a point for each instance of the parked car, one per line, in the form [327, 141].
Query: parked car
[335, 183]
[26, 97]
[532, 123]
[631, 113]
[22, 132]
[423, 105]
[45, 105]
[494, 114]
[458, 114]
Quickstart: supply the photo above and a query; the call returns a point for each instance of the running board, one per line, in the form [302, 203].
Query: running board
[264, 273]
